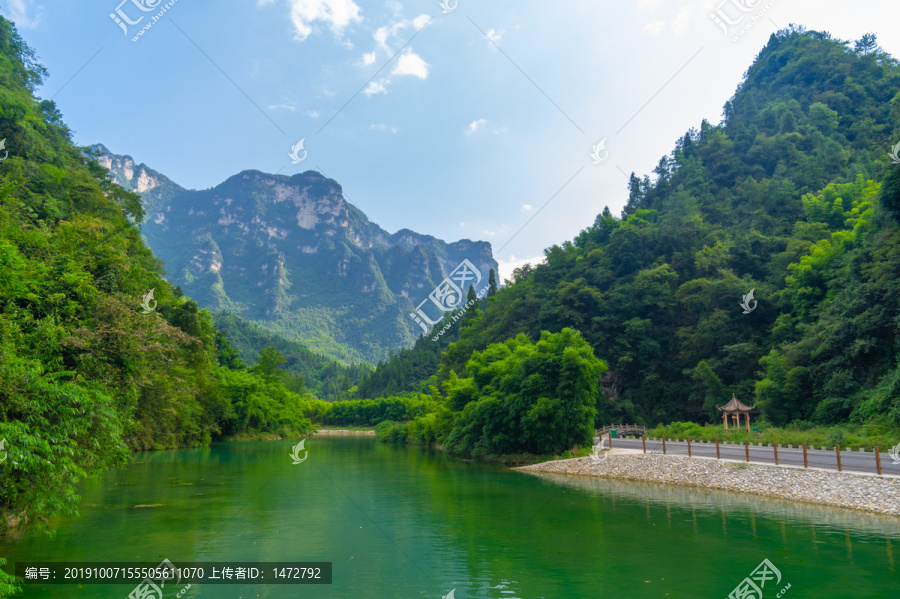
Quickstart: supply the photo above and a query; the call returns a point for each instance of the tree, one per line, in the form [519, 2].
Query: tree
[492, 284]
[710, 386]
[635, 195]
[525, 396]
[269, 359]
[866, 45]
[890, 192]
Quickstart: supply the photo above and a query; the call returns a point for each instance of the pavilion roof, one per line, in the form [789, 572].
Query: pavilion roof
[735, 405]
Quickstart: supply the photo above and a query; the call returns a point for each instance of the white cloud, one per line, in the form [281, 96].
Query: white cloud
[474, 125]
[489, 233]
[382, 127]
[383, 34]
[18, 12]
[506, 267]
[376, 87]
[338, 14]
[649, 6]
[495, 36]
[527, 207]
[313, 114]
[283, 106]
[682, 21]
[653, 29]
[479, 126]
[676, 17]
[411, 63]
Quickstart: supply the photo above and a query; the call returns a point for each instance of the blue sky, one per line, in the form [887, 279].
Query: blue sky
[426, 122]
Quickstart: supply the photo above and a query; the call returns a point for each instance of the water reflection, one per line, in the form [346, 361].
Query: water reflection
[733, 504]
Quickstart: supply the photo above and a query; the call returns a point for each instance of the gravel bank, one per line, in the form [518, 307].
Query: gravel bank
[856, 491]
[336, 431]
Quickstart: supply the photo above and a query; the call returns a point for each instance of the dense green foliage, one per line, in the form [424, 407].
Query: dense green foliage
[516, 397]
[408, 370]
[793, 196]
[321, 376]
[368, 412]
[525, 396]
[86, 375]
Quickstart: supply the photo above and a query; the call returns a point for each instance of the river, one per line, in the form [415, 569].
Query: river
[404, 522]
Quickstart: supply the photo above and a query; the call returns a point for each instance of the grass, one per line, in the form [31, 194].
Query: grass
[848, 436]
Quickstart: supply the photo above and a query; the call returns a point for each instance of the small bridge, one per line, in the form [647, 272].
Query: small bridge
[623, 429]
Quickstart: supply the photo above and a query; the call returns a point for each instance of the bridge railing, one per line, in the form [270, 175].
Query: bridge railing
[623, 429]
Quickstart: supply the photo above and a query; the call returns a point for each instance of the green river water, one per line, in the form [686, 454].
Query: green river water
[408, 523]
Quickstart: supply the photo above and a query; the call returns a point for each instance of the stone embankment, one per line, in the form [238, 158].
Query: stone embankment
[856, 491]
[336, 431]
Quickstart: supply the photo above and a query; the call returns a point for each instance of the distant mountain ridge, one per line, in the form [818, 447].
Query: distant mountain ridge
[292, 255]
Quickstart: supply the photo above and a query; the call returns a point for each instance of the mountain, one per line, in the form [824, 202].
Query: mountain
[792, 197]
[292, 255]
[156, 190]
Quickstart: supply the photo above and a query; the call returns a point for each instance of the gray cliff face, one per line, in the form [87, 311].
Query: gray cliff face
[291, 254]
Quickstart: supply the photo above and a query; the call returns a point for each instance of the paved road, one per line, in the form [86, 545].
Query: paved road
[851, 461]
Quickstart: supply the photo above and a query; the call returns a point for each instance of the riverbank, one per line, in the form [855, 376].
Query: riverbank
[344, 431]
[855, 491]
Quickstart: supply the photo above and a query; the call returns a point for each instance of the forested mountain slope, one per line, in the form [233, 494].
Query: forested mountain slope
[793, 196]
[324, 377]
[293, 256]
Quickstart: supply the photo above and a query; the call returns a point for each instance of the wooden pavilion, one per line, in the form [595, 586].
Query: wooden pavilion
[735, 408]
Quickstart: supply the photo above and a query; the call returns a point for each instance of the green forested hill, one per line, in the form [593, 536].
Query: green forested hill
[322, 376]
[793, 196]
[86, 375]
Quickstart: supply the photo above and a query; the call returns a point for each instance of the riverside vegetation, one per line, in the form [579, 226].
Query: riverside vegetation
[793, 194]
